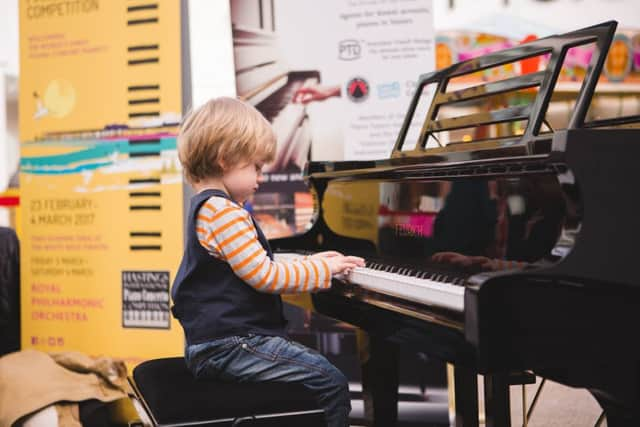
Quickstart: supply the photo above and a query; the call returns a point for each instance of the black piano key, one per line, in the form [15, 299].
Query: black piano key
[426, 270]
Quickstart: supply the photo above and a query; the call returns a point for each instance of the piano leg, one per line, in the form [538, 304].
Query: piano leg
[496, 400]
[615, 414]
[379, 360]
[466, 396]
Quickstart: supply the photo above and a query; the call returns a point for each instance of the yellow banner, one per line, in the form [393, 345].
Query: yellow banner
[91, 65]
[101, 186]
[101, 240]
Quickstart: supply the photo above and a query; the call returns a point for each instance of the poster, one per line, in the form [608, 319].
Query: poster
[101, 184]
[96, 65]
[334, 81]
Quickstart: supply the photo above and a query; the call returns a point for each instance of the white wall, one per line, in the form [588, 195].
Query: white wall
[9, 65]
[211, 45]
[9, 146]
[4, 158]
[9, 59]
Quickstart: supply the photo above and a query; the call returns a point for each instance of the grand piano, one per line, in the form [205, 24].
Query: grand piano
[503, 254]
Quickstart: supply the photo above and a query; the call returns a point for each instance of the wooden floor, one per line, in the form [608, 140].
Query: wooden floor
[558, 406]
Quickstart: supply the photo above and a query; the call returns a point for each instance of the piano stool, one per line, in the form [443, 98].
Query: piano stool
[169, 395]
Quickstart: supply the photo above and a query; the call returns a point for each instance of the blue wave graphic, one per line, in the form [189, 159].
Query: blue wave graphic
[86, 159]
[77, 169]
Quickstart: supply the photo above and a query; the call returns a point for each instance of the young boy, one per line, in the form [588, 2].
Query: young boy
[226, 292]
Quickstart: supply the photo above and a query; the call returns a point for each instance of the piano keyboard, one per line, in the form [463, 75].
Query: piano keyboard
[435, 288]
[286, 118]
[272, 106]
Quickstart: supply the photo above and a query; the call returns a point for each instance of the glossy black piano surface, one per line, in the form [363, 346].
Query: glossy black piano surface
[498, 255]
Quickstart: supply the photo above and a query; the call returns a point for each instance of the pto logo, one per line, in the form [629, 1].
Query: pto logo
[348, 50]
[357, 89]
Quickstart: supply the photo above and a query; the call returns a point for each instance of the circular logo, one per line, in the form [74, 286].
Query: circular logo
[59, 98]
[357, 89]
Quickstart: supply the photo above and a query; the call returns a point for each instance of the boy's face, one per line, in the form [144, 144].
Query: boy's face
[242, 181]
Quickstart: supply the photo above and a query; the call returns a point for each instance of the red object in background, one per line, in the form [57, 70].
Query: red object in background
[9, 200]
[357, 89]
[529, 65]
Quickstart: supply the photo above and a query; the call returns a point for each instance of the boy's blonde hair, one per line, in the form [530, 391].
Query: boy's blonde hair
[223, 132]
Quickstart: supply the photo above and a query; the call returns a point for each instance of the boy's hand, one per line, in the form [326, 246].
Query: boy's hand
[326, 254]
[341, 264]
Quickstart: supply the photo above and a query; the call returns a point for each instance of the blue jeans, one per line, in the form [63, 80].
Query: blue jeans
[257, 358]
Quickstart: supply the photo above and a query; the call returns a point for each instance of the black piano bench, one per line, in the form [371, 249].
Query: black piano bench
[171, 396]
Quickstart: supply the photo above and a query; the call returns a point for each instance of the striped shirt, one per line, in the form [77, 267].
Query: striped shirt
[227, 232]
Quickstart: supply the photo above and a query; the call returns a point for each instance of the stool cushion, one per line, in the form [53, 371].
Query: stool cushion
[175, 396]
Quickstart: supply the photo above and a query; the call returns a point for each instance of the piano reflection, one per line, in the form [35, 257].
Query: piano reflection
[509, 253]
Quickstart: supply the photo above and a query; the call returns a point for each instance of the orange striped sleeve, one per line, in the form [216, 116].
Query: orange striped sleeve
[203, 218]
[231, 236]
[248, 234]
[305, 286]
[210, 244]
[222, 213]
[208, 224]
[327, 273]
[240, 248]
[286, 277]
[209, 205]
[252, 273]
[247, 260]
[265, 278]
[227, 225]
[296, 281]
[274, 282]
[317, 276]
[235, 235]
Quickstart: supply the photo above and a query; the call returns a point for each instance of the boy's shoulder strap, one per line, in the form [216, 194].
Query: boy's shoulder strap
[200, 198]
[207, 194]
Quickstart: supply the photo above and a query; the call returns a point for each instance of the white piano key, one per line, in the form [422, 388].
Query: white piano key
[413, 289]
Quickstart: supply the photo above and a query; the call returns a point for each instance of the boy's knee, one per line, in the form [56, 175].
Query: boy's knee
[339, 380]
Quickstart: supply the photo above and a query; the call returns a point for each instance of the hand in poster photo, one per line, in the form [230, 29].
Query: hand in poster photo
[308, 94]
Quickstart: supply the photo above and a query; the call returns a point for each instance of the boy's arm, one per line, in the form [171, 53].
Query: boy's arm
[227, 232]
